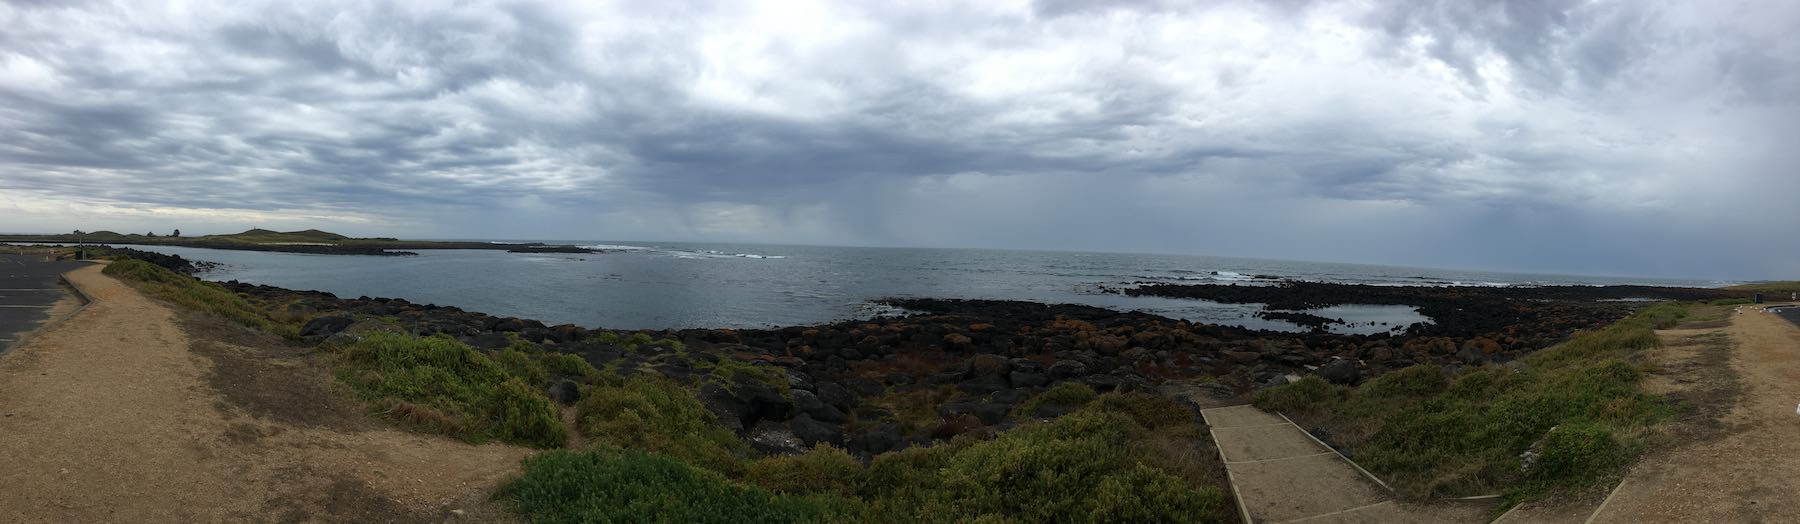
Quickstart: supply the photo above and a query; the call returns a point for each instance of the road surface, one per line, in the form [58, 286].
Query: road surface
[29, 289]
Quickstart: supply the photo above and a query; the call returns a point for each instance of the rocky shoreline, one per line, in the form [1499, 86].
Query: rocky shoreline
[956, 366]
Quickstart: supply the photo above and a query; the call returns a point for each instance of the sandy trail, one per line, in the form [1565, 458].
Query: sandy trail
[1752, 473]
[112, 417]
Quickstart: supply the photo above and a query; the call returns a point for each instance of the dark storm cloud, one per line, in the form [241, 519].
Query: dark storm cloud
[851, 122]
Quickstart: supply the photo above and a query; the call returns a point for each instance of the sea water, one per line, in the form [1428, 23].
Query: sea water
[640, 285]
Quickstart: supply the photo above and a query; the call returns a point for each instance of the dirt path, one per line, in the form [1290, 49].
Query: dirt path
[114, 416]
[1750, 473]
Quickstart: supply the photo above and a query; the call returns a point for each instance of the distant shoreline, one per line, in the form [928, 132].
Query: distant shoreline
[306, 242]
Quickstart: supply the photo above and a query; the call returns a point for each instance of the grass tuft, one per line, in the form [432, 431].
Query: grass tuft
[439, 384]
[188, 291]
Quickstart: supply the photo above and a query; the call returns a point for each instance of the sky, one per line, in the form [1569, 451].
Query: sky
[1638, 138]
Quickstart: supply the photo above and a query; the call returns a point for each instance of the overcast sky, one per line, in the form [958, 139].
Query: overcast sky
[1632, 137]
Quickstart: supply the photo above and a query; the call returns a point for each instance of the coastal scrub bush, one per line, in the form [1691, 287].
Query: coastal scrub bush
[1081, 467]
[1069, 395]
[825, 469]
[1432, 435]
[442, 385]
[1305, 394]
[564, 364]
[1149, 411]
[519, 364]
[657, 415]
[187, 291]
[623, 485]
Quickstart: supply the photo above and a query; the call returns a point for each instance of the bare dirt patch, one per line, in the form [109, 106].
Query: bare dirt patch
[119, 414]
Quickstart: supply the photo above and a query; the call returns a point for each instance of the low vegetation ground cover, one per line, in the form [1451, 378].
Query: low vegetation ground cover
[1567, 418]
[1110, 461]
[653, 453]
[188, 291]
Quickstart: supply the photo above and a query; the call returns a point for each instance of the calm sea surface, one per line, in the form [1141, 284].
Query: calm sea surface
[674, 285]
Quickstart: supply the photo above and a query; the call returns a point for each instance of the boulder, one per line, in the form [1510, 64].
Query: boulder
[983, 385]
[1021, 379]
[1339, 371]
[731, 411]
[1063, 369]
[882, 439]
[317, 329]
[765, 403]
[833, 394]
[774, 438]
[813, 432]
[565, 392]
[1240, 357]
[989, 413]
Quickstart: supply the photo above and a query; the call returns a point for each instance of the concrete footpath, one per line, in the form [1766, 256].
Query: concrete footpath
[1279, 473]
[30, 290]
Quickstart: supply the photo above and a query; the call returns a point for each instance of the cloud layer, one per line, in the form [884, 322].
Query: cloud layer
[1620, 137]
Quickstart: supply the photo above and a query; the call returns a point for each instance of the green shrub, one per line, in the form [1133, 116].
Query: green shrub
[439, 384]
[1050, 472]
[612, 485]
[519, 364]
[564, 364]
[1065, 394]
[658, 415]
[1147, 410]
[1307, 393]
[1144, 494]
[1573, 452]
[825, 469]
[1731, 302]
[188, 292]
[1417, 381]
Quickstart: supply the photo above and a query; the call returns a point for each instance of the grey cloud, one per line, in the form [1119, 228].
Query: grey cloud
[866, 119]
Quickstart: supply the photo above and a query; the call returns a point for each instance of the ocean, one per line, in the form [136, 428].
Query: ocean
[640, 285]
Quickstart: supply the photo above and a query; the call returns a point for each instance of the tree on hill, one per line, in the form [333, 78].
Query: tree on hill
[177, 233]
[151, 234]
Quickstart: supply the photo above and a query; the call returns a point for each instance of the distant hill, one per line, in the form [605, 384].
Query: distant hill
[264, 236]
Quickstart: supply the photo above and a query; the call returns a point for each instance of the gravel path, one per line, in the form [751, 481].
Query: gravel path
[1752, 474]
[112, 416]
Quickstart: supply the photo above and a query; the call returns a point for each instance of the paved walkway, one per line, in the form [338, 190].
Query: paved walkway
[29, 291]
[1279, 473]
